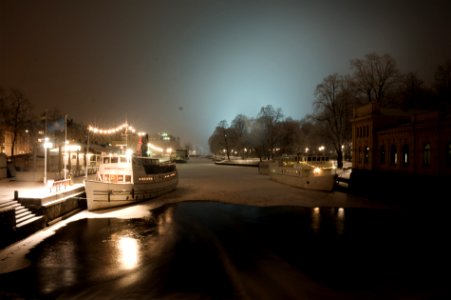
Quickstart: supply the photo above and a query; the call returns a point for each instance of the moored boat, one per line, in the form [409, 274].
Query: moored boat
[126, 179]
[307, 172]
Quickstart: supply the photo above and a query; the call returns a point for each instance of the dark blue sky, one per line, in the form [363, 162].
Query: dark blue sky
[183, 66]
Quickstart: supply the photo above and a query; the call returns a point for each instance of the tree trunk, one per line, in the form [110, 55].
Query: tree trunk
[339, 159]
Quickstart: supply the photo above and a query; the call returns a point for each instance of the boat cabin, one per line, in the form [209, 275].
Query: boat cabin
[115, 169]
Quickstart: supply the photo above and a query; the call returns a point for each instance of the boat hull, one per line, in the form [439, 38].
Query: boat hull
[319, 183]
[103, 195]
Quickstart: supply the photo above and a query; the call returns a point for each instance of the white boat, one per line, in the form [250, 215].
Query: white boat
[307, 172]
[127, 179]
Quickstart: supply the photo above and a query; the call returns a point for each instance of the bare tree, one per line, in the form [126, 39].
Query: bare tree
[290, 136]
[333, 107]
[375, 77]
[267, 129]
[413, 93]
[442, 82]
[16, 115]
[220, 139]
[240, 129]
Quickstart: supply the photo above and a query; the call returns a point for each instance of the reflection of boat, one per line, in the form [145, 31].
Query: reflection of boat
[126, 179]
[307, 172]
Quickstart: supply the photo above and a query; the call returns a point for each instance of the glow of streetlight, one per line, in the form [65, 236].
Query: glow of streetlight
[47, 144]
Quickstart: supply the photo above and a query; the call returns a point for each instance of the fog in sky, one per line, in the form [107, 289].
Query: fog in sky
[183, 66]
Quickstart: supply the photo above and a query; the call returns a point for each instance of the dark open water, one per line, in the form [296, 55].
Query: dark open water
[207, 250]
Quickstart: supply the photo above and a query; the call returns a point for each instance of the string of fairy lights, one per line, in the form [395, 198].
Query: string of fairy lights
[128, 128]
[124, 126]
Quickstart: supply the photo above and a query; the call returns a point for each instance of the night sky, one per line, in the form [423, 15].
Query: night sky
[183, 66]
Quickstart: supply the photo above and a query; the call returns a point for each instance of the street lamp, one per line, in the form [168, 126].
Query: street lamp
[65, 157]
[47, 144]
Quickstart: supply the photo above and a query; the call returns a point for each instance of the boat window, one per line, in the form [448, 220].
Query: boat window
[128, 178]
[123, 159]
[106, 160]
[114, 159]
[120, 178]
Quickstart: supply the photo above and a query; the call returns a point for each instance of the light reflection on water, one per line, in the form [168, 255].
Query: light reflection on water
[321, 217]
[316, 219]
[164, 220]
[128, 255]
[340, 221]
[184, 246]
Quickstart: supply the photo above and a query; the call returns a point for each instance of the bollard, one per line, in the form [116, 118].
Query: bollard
[16, 195]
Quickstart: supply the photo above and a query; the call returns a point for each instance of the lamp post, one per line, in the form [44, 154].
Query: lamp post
[87, 159]
[65, 157]
[46, 145]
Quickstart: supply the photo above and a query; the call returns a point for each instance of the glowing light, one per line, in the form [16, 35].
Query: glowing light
[47, 144]
[128, 252]
[153, 147]
[340, 220]
[316, 219]
[115, 130]
[316, 171]
[341, 213]
[129, 152]
[72, 148]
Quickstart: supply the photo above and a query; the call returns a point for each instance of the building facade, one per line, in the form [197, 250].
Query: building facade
[400, 146]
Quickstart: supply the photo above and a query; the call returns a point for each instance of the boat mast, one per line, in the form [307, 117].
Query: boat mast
[126, 135]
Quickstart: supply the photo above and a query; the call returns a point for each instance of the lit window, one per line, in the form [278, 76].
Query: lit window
[382, 155]
[366, 154]
[393, 155]
[427, 155]
[405, 155]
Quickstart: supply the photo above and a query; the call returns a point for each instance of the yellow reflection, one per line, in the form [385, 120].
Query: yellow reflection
[340, 220]
[165, 220]
[316, 219]
[128, 252]
[341, 213]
